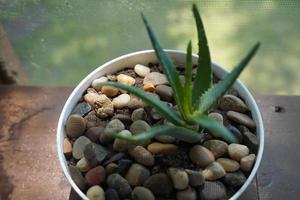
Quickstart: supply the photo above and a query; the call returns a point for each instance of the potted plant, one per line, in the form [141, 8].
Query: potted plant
[161, 125]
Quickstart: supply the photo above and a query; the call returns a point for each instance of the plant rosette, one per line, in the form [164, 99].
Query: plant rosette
[161, 124]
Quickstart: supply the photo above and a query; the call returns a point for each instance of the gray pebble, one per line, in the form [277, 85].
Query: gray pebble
[142, 193]
[159, 184]
[111, 194]
[251, 141]
[179, 178]
[120, 184]
[124, 118]
[235, 179]
[196, 177]
[137, 174]
[165, 92]
[93, 133]
[95, 153]
[138, 114]
[82, 109]
[79, 146]
[212, 191]
[123, 166]
[188, 194]
[231, 102]
[241, 118]
[77, 177]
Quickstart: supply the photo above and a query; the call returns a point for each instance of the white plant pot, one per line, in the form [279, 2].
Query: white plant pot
[144, 57]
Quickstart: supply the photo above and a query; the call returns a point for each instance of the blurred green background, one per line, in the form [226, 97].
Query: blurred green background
[59, 42]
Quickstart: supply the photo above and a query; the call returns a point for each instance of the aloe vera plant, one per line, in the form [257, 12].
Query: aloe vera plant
[194, 98]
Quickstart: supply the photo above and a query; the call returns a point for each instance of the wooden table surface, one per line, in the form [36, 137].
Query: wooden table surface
[29, 167]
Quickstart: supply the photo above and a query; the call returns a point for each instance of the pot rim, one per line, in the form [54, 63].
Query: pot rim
[218, 70]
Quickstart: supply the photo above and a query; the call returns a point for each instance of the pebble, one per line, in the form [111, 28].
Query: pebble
[217, 147]
[231, 102]
[138, 127]
[135, 102]
[157, 148]
[120, 184]
[109, 91]
[104, 107]
[77, 177]
[95, 176]
[111, 194]
[92, 120]
[124, 118]
[228, 164]
[79, 146]
[179, 178]
[165, 92]
[149, 87]
[95, 153]
[111, 168]
[247, 162]
[82, 109]
[212, 191]
[141, 70]
[125, 79]
[235, 180]
[93, 133]
[83, 165]
[111, 77]
[159, 184]
[137, 174]
[139, 114]
[237, 151]
[92, 97]
[95, 193]
[114, 158]
[121, 101]
[154, 114]
[201, 156]
[75, 126]
[123, 166]
[217, 117]
[142, 193]
[214, 171]
[67, 147]
[114, 126]
[165, 139]
[235, 131]
[142, 156]
[251, 141]
[98, 83]
[121, 145]
[196, 177]
[241, 119]
[188, 194]
[155, 78]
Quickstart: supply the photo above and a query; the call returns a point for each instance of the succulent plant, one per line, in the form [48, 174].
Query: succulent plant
[194, 98]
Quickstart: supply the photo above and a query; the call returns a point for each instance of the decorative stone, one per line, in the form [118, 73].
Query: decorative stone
[95, 153]
[120, 184]
[137, 174]
[141, 70]
[125, 79]
[98, 83]
[111, 77]
[92, 97]
[121, 101]
[119, 144]
[123, 166]
[92, 120]
[77, 177]
[154, 114]
[138, 114]
[83, 165]
[135, 102]
[109, 91]
[217, 117]
[196, 177]
[241, 118]
[201, 156]
[231, 102]
[114, 126]
[124, 118]
[95, 176]
[111, 194]
[165, 139]
[214, 171]
[138, 127]
[79, 146]
[212, 191]
[114, 158]
[251, 141]
[235, 180]
[93, 133]
[67, 147]
[75, 126]
[237, 151]
[82, 109]
[142, 156]
[142, 193]
[165, 92]
[103, 106]
[111, 168]
[157, 148]
[179, 178]
[95, 193]
[217, 147]
[159, 184]
[247, 162]
[155, 78]
[235, 132]
[188, 194]
[149, 87]
[228, 164]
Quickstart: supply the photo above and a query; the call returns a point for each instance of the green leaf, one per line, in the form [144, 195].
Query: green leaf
[168, 67]
[160, 106]
[209, 98]
[181, 133]
[216, 129]
[203, 78]
[187, 103]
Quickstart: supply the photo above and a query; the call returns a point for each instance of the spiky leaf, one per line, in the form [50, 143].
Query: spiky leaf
[188, 80]
[160, 106]
[181, 133]
[203, 78]
[209, 98]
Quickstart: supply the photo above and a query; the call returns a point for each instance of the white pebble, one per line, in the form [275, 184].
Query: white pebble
[125, 79]
[121, 101]
[141, 70]
[98, 83]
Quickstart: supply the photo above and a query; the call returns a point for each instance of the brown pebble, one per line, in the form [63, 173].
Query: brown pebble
[157, 148]
[142, 156]
[201, 156]
[149, 87]
[67, 147]
[229, 165]
[75, 126]
[95, 176]
[109, 91]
